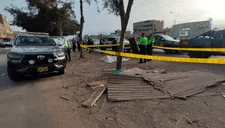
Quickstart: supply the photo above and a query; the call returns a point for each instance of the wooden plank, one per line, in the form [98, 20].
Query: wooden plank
[138, 98]
[94, 97]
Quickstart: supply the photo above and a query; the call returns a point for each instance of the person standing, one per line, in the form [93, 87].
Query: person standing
[151, 40]
[114, 48]
[90, 42]
[74, 45]
[68, 49]
[143, 46]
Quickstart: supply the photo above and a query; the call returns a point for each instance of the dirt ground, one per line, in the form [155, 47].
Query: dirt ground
[195, 112]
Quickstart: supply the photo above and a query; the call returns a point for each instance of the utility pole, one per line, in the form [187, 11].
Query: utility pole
[175, 15]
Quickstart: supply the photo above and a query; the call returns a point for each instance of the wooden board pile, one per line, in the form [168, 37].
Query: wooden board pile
[137, 84]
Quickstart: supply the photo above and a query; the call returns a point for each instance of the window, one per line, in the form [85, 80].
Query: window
[218, 35]
[34, 41]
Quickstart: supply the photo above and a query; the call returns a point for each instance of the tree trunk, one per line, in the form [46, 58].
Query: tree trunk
[124, 17]
[81, 27]
[60, 28]
[119, 58]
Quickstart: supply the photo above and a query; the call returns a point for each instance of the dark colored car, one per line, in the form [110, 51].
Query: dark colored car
[34, 54]
[8, 44]
[166, 41]
[210, 39]
[2, 45]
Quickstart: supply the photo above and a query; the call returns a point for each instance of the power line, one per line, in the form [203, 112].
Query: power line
[166, 5]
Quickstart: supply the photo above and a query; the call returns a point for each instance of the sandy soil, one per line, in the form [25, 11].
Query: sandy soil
[195, 112]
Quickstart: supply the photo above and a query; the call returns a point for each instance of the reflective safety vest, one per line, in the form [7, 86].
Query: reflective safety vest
[143, 41]
[151, 40]
[68, 44]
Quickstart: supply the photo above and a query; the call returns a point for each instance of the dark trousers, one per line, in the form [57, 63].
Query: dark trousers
[90, 50]
[149, 49]
[114, 48]
[143, 51]
[69, 52]
[78, 46]
[74, 47]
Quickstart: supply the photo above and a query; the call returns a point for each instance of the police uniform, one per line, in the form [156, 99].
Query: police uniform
[150, 44]
[68, 49]
[143, 47]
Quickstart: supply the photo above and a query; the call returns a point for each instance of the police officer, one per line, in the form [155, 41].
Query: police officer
[143, 46]
[68, 49]
[151, 40]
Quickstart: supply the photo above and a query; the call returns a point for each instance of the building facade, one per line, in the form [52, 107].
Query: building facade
[147, 27]
[5, 29]
[191, 29]
[118, 32]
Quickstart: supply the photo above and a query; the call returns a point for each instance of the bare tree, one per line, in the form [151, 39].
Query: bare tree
[81, 27]
[82, 23]
[117, 7]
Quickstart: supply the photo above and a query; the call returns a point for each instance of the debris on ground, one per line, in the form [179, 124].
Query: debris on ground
[111, 59]
[65, 98]
[137, 84]
[96, 84]
[94, 97]
[65, 87]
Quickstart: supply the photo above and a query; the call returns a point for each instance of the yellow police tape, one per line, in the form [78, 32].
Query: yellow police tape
[167, 48]
[165, 58]
[193, 49]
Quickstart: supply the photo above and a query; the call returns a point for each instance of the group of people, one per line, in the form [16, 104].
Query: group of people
[145, 46]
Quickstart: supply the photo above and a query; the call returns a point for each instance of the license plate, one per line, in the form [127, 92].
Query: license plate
[42, 69]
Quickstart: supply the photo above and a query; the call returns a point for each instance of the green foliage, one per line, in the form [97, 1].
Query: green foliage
[112, 6]
[45, 16]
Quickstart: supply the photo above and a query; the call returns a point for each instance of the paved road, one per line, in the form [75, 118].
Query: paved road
[26, 105]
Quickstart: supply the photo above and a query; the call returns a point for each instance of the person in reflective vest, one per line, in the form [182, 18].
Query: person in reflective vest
[142, 44]
[68, 49]
[151, 40]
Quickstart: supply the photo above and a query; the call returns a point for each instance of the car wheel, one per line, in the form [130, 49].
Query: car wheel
[14, 76]
[61, 71]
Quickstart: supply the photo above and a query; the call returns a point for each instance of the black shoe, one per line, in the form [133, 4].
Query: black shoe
[140, 62]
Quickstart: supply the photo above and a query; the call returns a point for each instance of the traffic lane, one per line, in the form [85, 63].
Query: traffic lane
[21, 103]
[5, 82]
[25, 107]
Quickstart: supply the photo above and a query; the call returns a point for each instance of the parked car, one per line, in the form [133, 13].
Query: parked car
[126, 42]
[2, 45]
[210, 39]
[8, 44]
[96, 42]
[34, 54]
[61, 42]
[166, 41]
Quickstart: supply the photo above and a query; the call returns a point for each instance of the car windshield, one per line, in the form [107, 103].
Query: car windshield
[167, 37]
[58, 40]
[34, 41]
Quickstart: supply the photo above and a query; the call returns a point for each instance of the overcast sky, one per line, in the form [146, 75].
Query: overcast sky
[183, 11]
